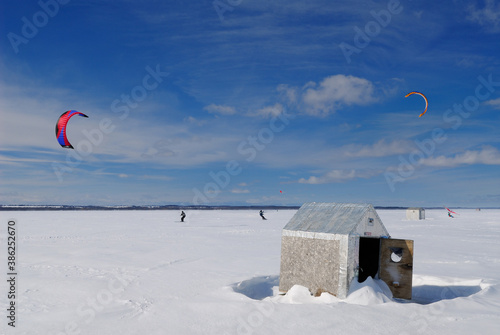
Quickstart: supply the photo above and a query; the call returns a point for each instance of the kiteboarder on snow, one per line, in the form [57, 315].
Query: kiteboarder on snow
[262, 215]
[450, 211]
[183, 215]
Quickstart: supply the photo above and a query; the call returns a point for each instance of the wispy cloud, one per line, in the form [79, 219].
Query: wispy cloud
[159, 178]
[240, 191]
[268, 111]
[488, 155]
[495, 103]
[334, 176]
[488, 16]
[195, 121]
[220, 109]
[381, 148]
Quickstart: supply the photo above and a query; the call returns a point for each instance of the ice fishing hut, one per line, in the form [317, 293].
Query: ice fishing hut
[325, 246]
[415, 213]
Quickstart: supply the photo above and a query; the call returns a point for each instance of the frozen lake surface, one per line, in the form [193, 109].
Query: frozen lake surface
[145, 272]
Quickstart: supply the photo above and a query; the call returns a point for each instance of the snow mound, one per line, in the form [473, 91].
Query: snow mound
[369, 292]
[300, 295]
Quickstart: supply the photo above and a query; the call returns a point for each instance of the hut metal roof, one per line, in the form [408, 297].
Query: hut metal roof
[332, 218]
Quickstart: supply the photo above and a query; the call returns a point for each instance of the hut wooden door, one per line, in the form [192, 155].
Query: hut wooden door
[396, 266]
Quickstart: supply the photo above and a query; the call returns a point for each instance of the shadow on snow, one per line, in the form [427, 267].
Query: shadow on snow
[428, 294]
[259, 288]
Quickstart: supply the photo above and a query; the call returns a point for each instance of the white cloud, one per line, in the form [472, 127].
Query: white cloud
[488, 17]
[339, 176]
[162, 178]
[495, 103]
[289, 93]
[239, 191]
[336, 91]
[269, 111]
[381, 148]
[488, 156]
[220, 109]
[195, 121]
[334, 176]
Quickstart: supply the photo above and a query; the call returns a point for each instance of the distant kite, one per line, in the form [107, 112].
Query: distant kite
[450, 211]
[423, 96]
[61, 127]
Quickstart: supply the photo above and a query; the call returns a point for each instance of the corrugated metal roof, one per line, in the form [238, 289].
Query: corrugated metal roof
[332, 218]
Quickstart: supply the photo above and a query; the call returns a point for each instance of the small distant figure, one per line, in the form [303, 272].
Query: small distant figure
[183, 215]
[449, 214]
[262, 215]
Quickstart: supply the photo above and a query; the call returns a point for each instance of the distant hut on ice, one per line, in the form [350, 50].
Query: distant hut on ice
[324, 244]
[415, 213]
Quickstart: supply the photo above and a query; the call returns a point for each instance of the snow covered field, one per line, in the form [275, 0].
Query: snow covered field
[144, 272]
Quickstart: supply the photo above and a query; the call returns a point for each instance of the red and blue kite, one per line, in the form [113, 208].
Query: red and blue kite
[61, 127]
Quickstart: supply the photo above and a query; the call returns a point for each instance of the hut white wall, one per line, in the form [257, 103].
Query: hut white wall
[415, 214]
[315, 260]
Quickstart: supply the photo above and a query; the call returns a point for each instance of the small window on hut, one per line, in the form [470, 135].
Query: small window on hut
[396, 255]
[370, 221]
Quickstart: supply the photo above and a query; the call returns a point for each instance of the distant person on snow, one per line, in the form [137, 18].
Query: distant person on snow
[183, 215]
[262, 215]
[449, 214]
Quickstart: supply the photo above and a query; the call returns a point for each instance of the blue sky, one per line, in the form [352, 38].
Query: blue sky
[232, 101]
